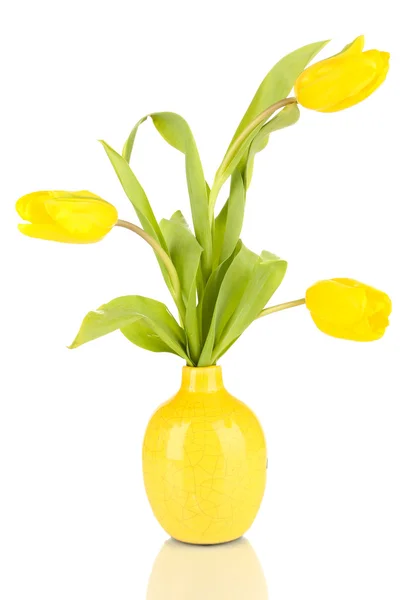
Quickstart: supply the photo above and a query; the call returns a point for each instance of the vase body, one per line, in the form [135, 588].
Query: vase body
[204, 461]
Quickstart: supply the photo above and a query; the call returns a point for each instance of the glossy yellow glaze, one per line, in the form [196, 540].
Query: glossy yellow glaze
[204, 461]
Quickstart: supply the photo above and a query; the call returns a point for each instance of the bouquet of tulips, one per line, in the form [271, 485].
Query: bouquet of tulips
[219, 286]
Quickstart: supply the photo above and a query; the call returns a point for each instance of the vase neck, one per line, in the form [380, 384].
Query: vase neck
[202, 379]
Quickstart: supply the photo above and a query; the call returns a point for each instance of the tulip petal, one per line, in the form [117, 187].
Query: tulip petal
[355, 47]
[324, 85]
[88, 220]
[31, 207]
[362, 332]
[376, 300]
[86, 194]
[336, 302]
[347, 309]
[51, 233]
[381, 60]
[343, 80]
[77, 213]
[379, 306]
[72, 217]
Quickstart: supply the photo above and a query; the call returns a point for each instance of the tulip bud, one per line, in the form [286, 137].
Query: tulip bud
[342, 80]
[71, 217]
[348, 309]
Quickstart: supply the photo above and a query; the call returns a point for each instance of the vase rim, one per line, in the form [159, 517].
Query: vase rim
[210, 367]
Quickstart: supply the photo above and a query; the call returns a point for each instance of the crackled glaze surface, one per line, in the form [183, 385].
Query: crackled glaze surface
[204, 461]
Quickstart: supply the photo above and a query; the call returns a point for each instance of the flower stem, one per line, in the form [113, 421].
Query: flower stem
[220, 176]
[279, 307]
[173, 275]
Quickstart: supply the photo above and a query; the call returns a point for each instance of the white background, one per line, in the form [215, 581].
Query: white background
[74, 519]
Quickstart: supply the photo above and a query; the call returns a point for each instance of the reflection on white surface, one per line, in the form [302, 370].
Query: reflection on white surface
[224, 572]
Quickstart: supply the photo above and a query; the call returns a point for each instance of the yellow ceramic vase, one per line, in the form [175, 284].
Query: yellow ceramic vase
[204, 461]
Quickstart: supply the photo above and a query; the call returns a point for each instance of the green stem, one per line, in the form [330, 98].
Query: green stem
[263, 313]
[176, 286]
[220, 176]
[279, 307]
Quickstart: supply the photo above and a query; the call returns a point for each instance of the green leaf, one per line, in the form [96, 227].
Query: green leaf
[175, 130]
[265, 278]
[127, 149]
[141, 333]
[230, 292]
[140, 202]
[279, 82]
[185, 252]
[123, 313]
[274, 89]
[219, 233]
[239, 150]
[179, 218]
[192, 326]
[247, 286]
[228, 224]
[135, 193]
[285, 118]
[212, 289]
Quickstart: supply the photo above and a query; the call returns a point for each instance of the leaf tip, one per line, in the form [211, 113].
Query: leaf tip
[325, 43]
[76, 342]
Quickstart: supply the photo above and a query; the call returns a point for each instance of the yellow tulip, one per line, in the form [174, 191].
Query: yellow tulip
[342, 80]
[71, 217]
[348, 309]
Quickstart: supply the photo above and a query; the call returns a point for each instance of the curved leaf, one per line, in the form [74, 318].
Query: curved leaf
[122, 313]
[135, 193]
[140, 203]
[249, 283]
[230, 292]
[175, 130]
[274, 88]
[229, 222]
[142, 334]
[212, 289]
[127, 149]
[185, 252]
[265, 278]
[285, 118]
[178, 217]
[279, 82]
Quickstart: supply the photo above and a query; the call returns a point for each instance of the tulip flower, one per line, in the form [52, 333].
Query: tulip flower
[71, 217]
[220, 286]
[348, 309]
[342, 80]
